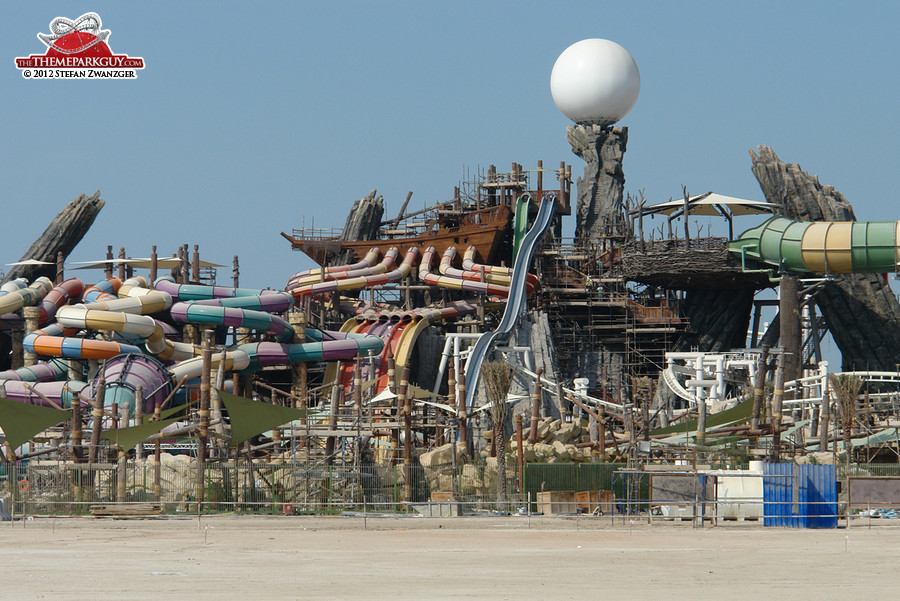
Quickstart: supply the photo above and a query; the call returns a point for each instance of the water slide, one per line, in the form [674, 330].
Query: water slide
[469, 264]
[453, 283]
[364, 278]
[128, 313]
[14, 300]
[520, 223]
[399, 331]
[331, 272]
[493, 277]
[305, 279]
[823, 246]
[516, 303]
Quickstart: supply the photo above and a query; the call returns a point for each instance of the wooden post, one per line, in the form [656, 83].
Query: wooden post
[157, 468]
[392, 384]
[701, 421]
[108, 270]
[336, 395]
[777, 398]
[536, 396]
[759, 391]
[17, 359]
[405, 404]
[60, 268]
[203, 414]
[216, 408]
[463, 418]
[97, 423]
[122, 464]
[601, 431]
[154, 264]
[299, 374]
[789, 325]
[235, 272]
[195, 265]
[122, 263]
[185, 265]
[32, 315]
[520, 452]
[76, 431]
[139, 418]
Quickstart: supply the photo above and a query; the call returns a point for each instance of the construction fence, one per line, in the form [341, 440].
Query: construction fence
[784, 495]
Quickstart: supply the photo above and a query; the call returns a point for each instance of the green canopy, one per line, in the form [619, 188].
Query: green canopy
[169, 412]
[128, 438]
[249, 418]
[737, 414]
[21, 421]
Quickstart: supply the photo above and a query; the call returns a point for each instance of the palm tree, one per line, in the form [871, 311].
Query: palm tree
[846, 390]
[497, 377]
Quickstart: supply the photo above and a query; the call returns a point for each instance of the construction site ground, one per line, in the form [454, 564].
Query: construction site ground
[506, 557]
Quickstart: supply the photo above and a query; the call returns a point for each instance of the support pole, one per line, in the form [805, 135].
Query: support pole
[463, 418]
[536, 396]
[203, 414]
[520, 455]
[777, 398]
[32, 315]
[97, 423]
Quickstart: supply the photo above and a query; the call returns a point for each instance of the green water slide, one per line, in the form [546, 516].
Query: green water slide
[520, 223]
[822, 246]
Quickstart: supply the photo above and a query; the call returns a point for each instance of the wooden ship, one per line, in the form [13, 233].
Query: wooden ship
[480, 217]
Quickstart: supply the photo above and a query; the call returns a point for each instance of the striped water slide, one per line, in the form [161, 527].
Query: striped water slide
[369, 260]
[27, 296]
[62, 294]
[128, 315]
[361, 269]
[49, 371]
[232, 307]
[258, 355]
[446, 268]
[452, 283]
[469, 264]
[361, 281]
[823, 246]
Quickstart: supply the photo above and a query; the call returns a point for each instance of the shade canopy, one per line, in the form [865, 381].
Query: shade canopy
[712, 204]
[21, 421]
[28, 262]
[249, 418]
[140, 263]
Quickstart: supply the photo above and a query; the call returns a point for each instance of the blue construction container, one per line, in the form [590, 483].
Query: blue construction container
[799, 496]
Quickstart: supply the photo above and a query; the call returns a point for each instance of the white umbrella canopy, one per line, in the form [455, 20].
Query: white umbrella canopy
[713, 204]
[29, 262]
[140, 263]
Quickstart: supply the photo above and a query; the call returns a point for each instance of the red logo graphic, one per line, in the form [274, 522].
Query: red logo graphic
[78, 49]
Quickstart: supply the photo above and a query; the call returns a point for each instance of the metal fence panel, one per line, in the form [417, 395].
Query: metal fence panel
[800, 496]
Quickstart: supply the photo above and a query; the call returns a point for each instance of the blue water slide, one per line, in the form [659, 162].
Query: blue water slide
[516, 303]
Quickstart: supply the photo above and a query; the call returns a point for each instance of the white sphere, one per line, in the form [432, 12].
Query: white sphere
[595, 81]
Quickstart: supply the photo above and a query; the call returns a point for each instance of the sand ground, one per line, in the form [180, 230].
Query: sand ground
[249, 557]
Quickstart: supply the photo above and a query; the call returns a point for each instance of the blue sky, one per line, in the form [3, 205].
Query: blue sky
[253, 118]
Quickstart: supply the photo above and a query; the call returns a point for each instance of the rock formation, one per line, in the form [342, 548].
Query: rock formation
[363, 223]
[601, 188]
[62, 235]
